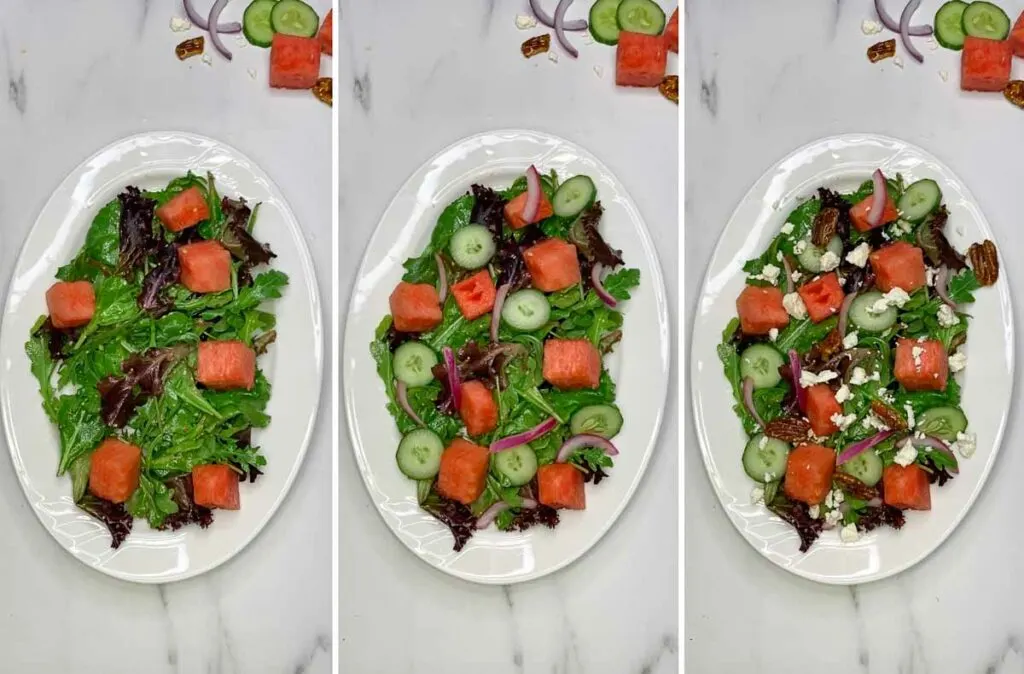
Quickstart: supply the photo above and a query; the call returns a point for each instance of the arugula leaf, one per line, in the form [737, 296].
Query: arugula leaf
[802, 335]
[423, 269]
[101, 250]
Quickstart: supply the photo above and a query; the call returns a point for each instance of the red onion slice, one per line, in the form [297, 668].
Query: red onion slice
[215, 11]
[748, 400]
[789, 274]
[499, 302]
[524, 437]
[942, 286]
[894, 25]
[595, 280]
[908, 12]
[937, 445]
[442, 278]
[560, 10]
[533, 194]
[453, 376]
[199, 21]
[545, 19]
[878, 198]
[794, 372]
[403, 400]
[529, 503]
[489, 515]
[584, 440]
[843, 312]
[857, 448]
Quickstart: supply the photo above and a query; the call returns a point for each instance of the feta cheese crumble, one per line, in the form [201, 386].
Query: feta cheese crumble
[965, 444]
[843, 421]
[756, 495]
[910, 415]
[947, 317]
[929, 276]
[896, 297]
[832, 518]
[843, 394]
[769, 477]
[917, 352]
[870, 27]
[907, 454]
[795, 306]
[787, 228]
[814, 511]
[859, 376]
[773, 334]
[553, 56]
[180, 25]
[525, 22]
[898, 62]
[829, 261]
[850, 340]
[808, 379]
[849, 534]
[859, 255]
[769, 273]
[957, 361]
[796, 276]
[799, 247]
[872, 421]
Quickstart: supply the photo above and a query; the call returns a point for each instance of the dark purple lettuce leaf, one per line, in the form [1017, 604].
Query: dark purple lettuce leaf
[263, 340]
[113, 515]
[457, 517]
[444, 402]
[135, 229]
[236, 237]
[189, 511]
[165, 273]
[586, 236]
[799, 517]
[143, 377]
[57, 340]
[931, 236]
[509, 261]
[486, 363]
[396, 338]
[873, 517]
[830, 199]
[525, 518]
[488, 210]
[118, 400]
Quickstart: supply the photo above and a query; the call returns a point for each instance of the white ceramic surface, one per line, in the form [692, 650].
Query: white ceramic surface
[293, 365]
[496, 159]
[843, 163]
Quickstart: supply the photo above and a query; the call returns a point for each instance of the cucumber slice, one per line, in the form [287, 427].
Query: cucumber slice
[573, 196]
[518, 464]
[472, 247]
[866, 467]
[256, 23]
[294, 17]
[949, 25]
[810, 258]
[640, 16]
[942, 422]
[761, 363]
[419, 454]
[604, 25]
[867, 320]
[603, 420]
[526, 310]
[919, 200]
[983, 19]
[412, 362]
[765, 457]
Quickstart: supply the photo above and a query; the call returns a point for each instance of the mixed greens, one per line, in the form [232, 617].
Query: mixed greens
[127, 369]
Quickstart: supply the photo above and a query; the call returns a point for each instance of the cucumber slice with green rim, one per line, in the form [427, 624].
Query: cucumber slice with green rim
[294, 17]
[949, 25]
[810, 258]
[573, 196]
[867, 320]
[412, 362]
[866, 467]
[640, 16]
[942, 422]
[526, 310]
[919, 200]
[604, 24]
[983, 19]
[256, 23]
[765, 457]
[518, 464]
[419, 454]
[603, 420]
[761, 363]
[472, 247]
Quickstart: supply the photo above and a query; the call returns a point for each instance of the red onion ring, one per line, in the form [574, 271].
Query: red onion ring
[499, 302]
[857, 448]
[939, 446]
[442, 278]
[878, 198]
[560, 10]
[529, 503]
[748, 400]
[894, 25]
[942, 286]
[584, 440]
[794, 373]
[453, 376]
[545, 19]
[789, 274]
[843, 312]
[491, 514]
[215, 11]
[533, 195]
[523, 438]
[595, 280]
[403, 400]
[908, 12]
[199, 22]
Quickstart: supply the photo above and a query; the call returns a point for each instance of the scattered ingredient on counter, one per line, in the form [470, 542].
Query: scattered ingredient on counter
[669, 88]
[324, 90]
[190, 47]
[882, 50]
[1014, 93]
[538, 44]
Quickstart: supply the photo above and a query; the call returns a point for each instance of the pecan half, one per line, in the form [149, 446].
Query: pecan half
[669, 88]
[854, 487]
[985, 262]
[882, 50]
[788, 429]
[1014, 93]
[889, 416]
[324, 90]
[821, 352]
[536, 45]
[826, 224]
[191, 47]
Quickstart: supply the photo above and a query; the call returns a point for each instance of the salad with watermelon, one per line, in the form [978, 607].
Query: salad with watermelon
[492, 355]
[843, 357]
[147, 357]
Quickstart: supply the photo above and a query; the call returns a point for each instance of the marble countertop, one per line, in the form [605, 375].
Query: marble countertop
[410, 83]
[760, 83]
[78, 76]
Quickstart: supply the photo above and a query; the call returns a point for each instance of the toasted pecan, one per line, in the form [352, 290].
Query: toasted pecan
[854, 487]
[536, 45]
[882, 50]
[190, 47]
[788, 429]
[985, 262]
[669, 88]
[1014, 93]
[324, 90]
[888, 415]
[826, 224]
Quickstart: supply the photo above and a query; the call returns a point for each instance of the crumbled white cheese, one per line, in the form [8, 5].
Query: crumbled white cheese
[769, 477]
[872, 421]
[957, 361]
[814, 511]
[850, 340]
[828, 261]
[870, 27]
[769, 273]
[553, 56]
[796, 276]
[929, 276]
[756, 495]
[947, 317]
[525, 22]
[901, 227]
[897, 61]
[907, 453]
[787, 228]
[795, 306]
[843, 421]
[849, 534]
[843, 394]
[207, 59]
[773, 334]
[916, 353]
[896, 297]
[910, 415]
[944, 75]
[180, 25]
[838, 497]
[859, 376]
[599, 71]
[762, 443]
[828, 500]
[859, 255]
[799, 247]
[965, 444]
[778, 255]
[832, 518]
[885, 394]
[808, 379]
